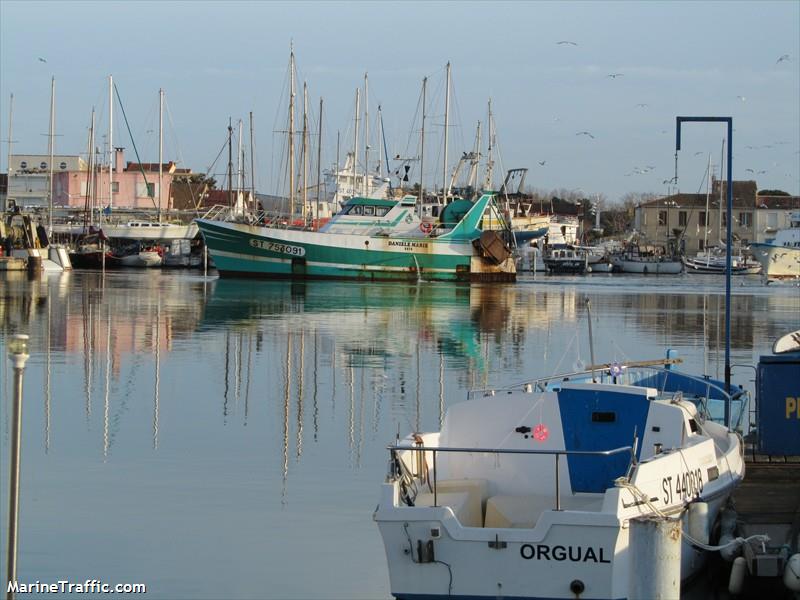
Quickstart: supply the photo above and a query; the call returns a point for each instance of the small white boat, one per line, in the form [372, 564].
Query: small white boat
[648, 260]
[142, 259]
[781, 256]
[527, 490]
[710, 262]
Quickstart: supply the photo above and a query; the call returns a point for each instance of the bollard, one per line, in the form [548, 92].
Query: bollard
[18, 354]
[655, 551]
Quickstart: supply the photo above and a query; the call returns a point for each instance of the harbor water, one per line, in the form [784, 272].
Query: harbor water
[219, 438]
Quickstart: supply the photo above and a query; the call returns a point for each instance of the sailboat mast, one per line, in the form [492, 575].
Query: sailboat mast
[721, 174]
[422, 148]
[319, 159]
[90, 191]
[252, 164]
[160, 148]
[487, 182]
[50, 151]
[239, 164]
[305, 150]
[10, 120]
[705, 224]
[366, 135]
[338, 144]
[110, 143]
[355, 140]
[230, 163]
[291, 134]
[380, 143]
[445, 186]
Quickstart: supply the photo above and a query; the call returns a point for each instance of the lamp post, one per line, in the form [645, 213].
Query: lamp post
[17, 354]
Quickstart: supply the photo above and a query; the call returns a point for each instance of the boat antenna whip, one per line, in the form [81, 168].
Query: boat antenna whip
[591, 341]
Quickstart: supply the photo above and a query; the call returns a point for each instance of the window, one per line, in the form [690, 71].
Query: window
[772, 220]
[23, 165]
[380, 211]
[356, 210]
[700, 245]
[701, 219]
[151, 190]
[662, 217]
[63, 165]
[42, 165]
[724, 219]
[115, 187]
[745, 219]
[682, 218]
[369, 211]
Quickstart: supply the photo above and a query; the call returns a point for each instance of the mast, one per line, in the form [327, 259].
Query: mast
[487, 182]
[50, 151]
[252, 164]
[380, 143]
[319, 159]
[366, 135]
[90, 177]
[110, 143]
[160, 148]
[445, 186]
[472, 180]
[721, 173]
[336, 189]
[305, 150]
[355, 141]
[230, 164]
[239, 164]
[291, 134]
[422, 147]
[705, 225]
[10, 119]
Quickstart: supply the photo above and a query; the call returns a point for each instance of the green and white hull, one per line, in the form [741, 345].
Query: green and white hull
[379, 253]
[242, 250]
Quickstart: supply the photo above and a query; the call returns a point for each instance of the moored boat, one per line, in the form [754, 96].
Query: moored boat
[780, 258]
[528, 491]
[566, 259]
[375, 239]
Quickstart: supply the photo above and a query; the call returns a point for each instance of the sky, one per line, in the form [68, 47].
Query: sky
[221, 60]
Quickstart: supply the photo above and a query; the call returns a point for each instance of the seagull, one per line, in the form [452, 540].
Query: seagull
[782, 58]
[566, 42]
[585, 133]
[742, 98]
[642, 105]
[698, 153]
[760, 172]
[42, 60]
[749, 171]
[615, 75]
[542, 162]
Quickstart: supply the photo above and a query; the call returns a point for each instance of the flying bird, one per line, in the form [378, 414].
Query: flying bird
[782, 58]
[742, 98]
[585, 133]
[760, 172]
[542, 162]
[566, 42]
[615, 75]
[749, 171]
[642, 105]
[42, 60]
[698, 153]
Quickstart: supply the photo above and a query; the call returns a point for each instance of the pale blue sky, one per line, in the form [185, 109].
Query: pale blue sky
[216, 60]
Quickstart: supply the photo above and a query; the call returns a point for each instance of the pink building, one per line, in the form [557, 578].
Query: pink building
[134, 185]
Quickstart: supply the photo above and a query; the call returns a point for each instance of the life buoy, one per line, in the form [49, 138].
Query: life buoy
[426, 227]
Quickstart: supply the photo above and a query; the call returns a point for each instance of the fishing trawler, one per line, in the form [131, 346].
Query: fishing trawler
[528, 491]
[373, 239]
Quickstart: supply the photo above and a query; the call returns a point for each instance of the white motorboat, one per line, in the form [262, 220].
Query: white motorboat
[528, 492]
[142, 259]
[780, 258]
[647, 260]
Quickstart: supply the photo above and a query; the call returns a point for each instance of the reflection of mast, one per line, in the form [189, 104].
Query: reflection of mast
[441, 391]
[299, 448]
[360, 419]
[352, 425]
[316, 408]
[247, 378]
[417, 426]
[158, 372]
[47, 380]
[88, 338]
[108, 382]
[287, 392]
[227, 361]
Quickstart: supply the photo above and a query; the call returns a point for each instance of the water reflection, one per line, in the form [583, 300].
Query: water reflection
[257, 412]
